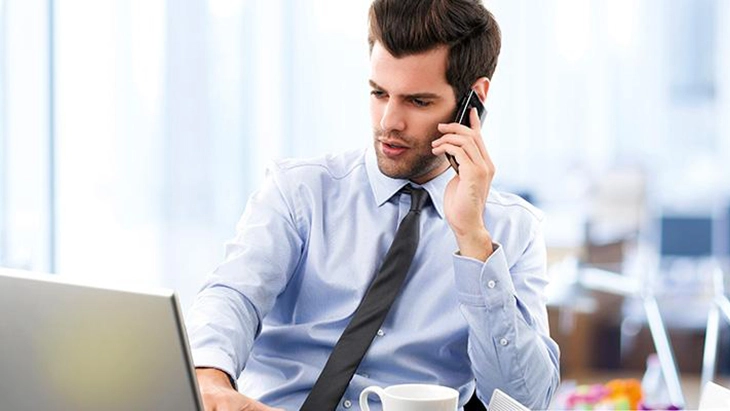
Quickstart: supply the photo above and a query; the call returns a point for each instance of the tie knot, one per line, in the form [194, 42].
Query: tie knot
[419, 197]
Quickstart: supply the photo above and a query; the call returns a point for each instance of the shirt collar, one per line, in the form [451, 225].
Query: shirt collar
[385, 187]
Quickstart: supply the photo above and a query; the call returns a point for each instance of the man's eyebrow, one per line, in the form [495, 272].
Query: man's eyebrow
[432, 96]
[374, 85]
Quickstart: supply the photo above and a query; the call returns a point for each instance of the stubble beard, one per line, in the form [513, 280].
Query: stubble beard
[419, 162]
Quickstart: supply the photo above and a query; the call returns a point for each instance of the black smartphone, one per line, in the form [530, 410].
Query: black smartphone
[469, 101]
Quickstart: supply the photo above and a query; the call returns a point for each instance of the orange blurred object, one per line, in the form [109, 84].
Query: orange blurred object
[628, 388]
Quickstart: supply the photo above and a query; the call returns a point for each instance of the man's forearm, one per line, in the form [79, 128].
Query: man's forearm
[509, 343]
[529, 370]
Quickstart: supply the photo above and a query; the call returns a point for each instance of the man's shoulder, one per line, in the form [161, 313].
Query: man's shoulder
[512, 204]
[330, 166]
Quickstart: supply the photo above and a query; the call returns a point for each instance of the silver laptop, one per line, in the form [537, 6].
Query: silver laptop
[67, 346]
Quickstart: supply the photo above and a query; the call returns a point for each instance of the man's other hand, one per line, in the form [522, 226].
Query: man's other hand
[219, 395]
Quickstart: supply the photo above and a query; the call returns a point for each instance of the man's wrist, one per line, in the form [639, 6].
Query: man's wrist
[215, 376]
[477, 245]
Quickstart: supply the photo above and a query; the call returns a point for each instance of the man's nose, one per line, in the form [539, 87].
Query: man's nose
[393, 117]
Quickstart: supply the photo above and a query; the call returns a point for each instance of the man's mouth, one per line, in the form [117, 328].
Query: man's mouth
[392, 149]
[394, 145]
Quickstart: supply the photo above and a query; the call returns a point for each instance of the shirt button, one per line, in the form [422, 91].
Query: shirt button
[381, 333]
[347, 404]
[503, 342]
[491, 284]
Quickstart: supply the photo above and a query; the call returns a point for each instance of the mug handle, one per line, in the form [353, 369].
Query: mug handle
[364, 396]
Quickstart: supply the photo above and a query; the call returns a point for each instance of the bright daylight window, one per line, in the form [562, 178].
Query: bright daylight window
[25, 217]
[165, 117]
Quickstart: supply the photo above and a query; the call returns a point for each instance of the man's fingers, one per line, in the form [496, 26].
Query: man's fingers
[461, 142]
[459, 128]
[464, 160]
[474, 133]
[454, 128]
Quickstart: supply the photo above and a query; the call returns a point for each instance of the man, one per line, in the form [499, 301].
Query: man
[471, 311]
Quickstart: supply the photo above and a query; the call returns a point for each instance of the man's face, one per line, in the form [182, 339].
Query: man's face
[409, 97]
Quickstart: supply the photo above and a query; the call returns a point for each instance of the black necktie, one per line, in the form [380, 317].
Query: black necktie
[370, 314]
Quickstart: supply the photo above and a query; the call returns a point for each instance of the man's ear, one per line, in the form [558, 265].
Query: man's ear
[481, 86]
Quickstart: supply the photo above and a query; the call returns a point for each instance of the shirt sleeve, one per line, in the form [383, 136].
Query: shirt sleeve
[509, 340]
[226, 315]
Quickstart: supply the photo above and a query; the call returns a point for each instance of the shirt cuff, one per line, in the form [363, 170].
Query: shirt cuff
[211, 358]
[486, 284]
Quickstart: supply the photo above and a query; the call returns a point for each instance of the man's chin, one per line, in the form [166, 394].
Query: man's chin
[406, 170]
[392, 170]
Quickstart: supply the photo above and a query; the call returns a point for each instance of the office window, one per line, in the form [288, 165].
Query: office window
[25, 216]
[166, 114]
[691, 51]
[109, 83]
[169, 114]
[3, 150]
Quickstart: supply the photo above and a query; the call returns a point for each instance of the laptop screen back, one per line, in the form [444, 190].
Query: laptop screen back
[73, 347]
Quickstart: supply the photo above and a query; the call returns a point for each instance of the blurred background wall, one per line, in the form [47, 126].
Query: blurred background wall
[132, 133]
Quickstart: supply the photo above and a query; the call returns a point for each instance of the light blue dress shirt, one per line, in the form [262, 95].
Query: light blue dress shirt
[312, 239]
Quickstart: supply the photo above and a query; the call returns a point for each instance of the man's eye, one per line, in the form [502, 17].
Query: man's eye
[377, 93]
[420, 103]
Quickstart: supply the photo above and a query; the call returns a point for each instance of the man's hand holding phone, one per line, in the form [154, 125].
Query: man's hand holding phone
[466, 194]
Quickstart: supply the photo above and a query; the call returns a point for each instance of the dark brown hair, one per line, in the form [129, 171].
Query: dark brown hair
[406, 27]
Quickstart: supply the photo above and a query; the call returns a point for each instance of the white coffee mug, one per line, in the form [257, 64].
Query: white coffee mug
[412, 397]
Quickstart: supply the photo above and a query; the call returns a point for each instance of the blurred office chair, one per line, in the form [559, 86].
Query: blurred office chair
[689, 273]
[616, 215]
